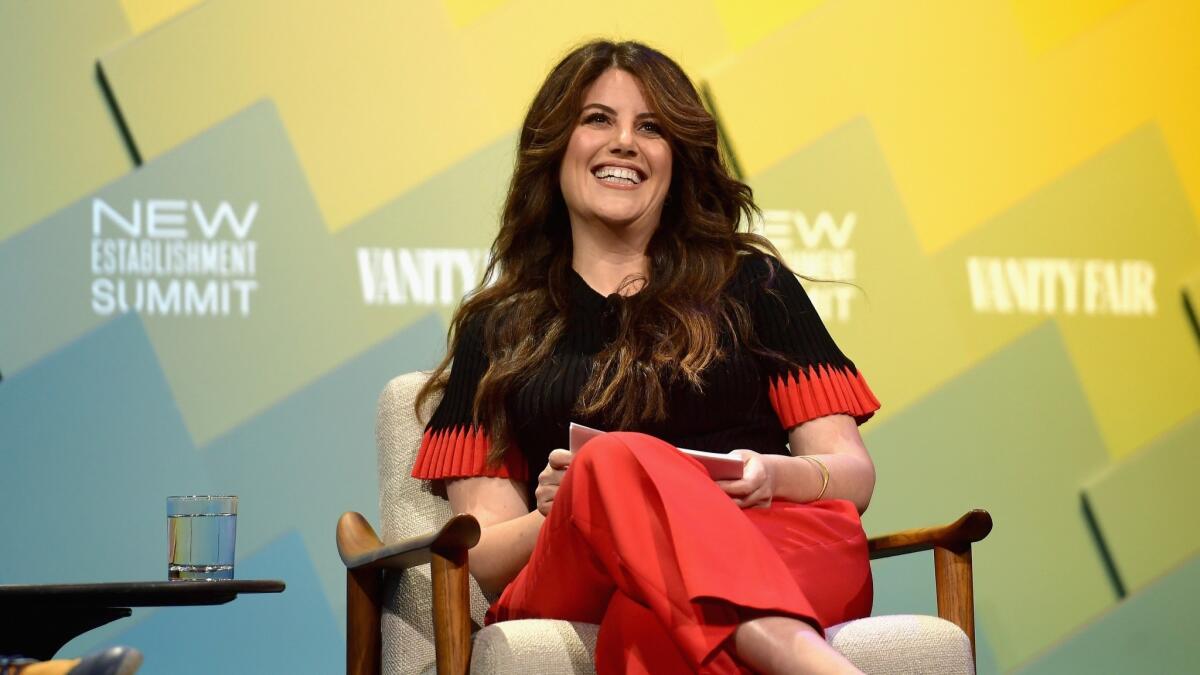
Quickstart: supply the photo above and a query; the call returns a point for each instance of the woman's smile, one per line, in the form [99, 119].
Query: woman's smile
[618, 176]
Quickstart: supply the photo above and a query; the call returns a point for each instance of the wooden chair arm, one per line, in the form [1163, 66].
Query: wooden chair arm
[952, 569]
[365, 557]
[973, 526]
[360, 547]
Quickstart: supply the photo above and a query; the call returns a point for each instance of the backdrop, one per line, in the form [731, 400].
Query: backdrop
[224, 225]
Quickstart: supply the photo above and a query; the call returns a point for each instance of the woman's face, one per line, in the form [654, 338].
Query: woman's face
[617, 167]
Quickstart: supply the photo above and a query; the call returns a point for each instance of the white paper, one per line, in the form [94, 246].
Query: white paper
[719, 466]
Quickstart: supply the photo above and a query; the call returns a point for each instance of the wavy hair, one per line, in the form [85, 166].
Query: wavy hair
[671, 329]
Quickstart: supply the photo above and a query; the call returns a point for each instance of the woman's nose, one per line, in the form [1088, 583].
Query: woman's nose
[622, 142]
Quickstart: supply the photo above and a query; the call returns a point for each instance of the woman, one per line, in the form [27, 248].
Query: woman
[624, 297]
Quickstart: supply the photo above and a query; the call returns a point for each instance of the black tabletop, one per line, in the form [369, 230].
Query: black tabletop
[135, 593]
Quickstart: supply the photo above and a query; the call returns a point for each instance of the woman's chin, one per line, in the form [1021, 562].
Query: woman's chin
[621, 217]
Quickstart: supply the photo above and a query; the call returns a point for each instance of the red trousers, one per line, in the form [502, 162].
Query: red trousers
[641, 541]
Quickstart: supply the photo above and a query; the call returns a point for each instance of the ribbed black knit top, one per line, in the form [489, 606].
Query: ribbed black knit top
[747, 401]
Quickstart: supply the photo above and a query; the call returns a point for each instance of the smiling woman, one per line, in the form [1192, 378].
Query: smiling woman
[625, 295]
[614, 177]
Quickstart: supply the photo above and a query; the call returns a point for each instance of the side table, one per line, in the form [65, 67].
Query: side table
[36, 620]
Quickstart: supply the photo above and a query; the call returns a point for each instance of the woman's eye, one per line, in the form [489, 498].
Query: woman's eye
[595, 118]
[652, 128]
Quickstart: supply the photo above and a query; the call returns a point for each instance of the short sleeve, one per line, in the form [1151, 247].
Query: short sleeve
[820, 380]
[454, 445]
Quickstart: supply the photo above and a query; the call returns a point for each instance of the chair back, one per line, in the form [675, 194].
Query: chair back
[408, 507]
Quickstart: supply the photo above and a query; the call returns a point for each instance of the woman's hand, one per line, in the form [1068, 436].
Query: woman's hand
[550, 478]
[756, 487]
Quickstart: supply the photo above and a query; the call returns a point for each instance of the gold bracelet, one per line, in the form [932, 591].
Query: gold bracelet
[824, 474]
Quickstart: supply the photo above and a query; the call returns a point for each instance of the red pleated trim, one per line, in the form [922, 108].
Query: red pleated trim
[461, 452]
[819, 392]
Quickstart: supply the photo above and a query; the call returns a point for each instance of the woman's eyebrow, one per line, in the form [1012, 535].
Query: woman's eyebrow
[610, 111]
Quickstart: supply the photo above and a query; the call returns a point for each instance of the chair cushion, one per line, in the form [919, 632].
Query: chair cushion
[882, 644]
[904, 644]
[535, 646]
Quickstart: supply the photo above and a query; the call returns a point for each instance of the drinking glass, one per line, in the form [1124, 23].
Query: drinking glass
[200, 536]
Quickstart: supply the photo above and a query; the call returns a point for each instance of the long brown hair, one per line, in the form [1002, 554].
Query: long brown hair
[668, 331]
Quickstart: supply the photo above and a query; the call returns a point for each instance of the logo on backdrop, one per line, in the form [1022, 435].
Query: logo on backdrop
[1091, 287]
[817, 248]
[170, 257]
[419, 276]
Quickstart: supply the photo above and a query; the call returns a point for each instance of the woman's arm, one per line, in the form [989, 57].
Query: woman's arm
[510, 529]
[835, 441]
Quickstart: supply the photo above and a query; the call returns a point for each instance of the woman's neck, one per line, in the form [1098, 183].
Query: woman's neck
[606, 259]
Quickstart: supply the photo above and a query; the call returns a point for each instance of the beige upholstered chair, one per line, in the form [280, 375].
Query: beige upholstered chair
[413, 593]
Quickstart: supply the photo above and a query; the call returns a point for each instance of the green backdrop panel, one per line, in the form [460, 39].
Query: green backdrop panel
[1152, 631]
[1145, 506]
[1013, 435]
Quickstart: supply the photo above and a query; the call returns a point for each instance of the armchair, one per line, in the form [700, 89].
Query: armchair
[412, 605]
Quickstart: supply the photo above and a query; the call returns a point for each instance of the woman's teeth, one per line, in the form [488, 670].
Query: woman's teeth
[618, 175]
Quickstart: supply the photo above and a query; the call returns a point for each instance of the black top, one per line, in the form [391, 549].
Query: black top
[747, 401]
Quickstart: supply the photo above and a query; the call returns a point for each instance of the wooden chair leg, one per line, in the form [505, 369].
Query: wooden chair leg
[363, 611]
[451, 611]
[955, 590]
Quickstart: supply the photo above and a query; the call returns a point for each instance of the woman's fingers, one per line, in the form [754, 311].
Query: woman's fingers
[545, 496]
[736, 488]
[760, 499]
[550, 478]
[754, 475]
[560, 459]
[754, 488]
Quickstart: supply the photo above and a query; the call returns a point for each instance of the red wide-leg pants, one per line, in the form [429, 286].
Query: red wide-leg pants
[641, 541]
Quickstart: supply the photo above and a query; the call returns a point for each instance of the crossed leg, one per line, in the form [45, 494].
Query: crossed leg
[641, 541]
